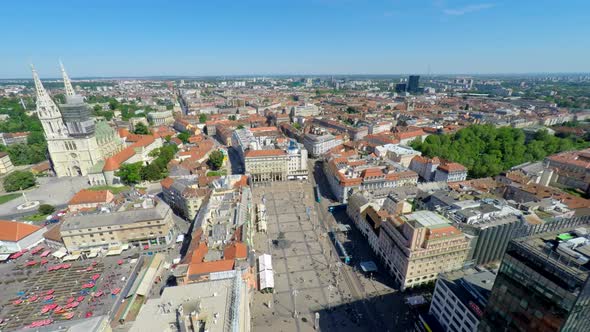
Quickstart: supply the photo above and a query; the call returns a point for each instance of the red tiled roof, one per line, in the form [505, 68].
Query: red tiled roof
[235, 250]
[12, 231]
[85, 196]
[452, 167]
[210, 267]
[114, 162]
[167, 182]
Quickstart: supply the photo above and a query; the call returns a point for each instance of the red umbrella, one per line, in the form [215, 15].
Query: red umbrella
[44, 261]
[69, 315]
[115, 291]
[94, 263]
[88, 314]
[33, 298]
[90, 268]
[99, 293]
[17, 302]
[95, 277]
[80, 298]
[49, 292]
[146, 247]
[120, 262]
[48, 297]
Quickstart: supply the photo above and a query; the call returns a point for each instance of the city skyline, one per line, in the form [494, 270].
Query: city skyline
[325, 37]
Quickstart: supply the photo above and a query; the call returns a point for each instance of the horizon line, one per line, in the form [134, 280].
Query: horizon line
[297, 75]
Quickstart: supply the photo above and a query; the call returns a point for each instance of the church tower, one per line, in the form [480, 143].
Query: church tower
[71, 140]
[48, 113]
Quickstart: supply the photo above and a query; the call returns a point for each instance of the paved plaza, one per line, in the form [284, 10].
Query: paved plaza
[305, 271]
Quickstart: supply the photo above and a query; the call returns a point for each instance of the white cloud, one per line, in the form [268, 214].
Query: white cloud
[468, 9]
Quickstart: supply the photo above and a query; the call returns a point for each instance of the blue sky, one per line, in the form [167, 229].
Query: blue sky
[137, 38]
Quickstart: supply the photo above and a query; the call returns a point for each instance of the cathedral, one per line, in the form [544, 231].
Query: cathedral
[75, 141]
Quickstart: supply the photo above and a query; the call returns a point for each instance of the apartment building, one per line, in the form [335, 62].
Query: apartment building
[349, 174]
[436, 169]
[184, 196]
[142, 222]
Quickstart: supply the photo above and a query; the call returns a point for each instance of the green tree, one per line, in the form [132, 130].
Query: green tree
[232, 118]
[151, 172]
[216, 159]
[46, 209]
[141, 129]
[19, 180]
[36, 137]
[241, 126]
[297, 125]
[130, 173]
[203, 118]
[184, 136]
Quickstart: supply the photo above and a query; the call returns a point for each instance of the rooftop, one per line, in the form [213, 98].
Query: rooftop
[126, 214]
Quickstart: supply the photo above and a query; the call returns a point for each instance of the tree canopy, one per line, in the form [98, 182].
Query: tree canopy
[487, 151]
[19, 180]
[141, 129]
[130, 173]
[216, 159]
[202, 118]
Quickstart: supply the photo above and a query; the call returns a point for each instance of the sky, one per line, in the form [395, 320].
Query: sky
[253, 37]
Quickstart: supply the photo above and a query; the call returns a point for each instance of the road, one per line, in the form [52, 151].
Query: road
[383, 307]
[327, 222]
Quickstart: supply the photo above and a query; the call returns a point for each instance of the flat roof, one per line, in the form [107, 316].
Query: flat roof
[428, 219]
[92, 220]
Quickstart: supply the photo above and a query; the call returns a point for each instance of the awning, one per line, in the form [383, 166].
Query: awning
[264, 262]
[4, 257]
[267, 279]
[368, 266]
[114, 252]
[71, 257]
[60, 253]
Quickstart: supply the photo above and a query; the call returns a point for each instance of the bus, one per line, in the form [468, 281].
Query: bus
[318, 197]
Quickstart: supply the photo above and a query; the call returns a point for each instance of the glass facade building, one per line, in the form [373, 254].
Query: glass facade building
[542, 284]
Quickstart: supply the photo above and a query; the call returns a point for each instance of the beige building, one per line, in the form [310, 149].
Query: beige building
[5, 163]
[143, 222]
[266, 165]
[416, 247]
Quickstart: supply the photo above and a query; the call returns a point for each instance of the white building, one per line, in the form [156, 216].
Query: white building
[317, 145]
[16, 236]
[161, 118]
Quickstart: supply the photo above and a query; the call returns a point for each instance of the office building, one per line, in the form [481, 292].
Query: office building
[542, 284]
[460, 297]
[414, 84]
[416, 247]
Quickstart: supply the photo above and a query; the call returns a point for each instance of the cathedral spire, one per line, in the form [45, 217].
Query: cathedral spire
[67, 83]
[47, 111]
[41, 93]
